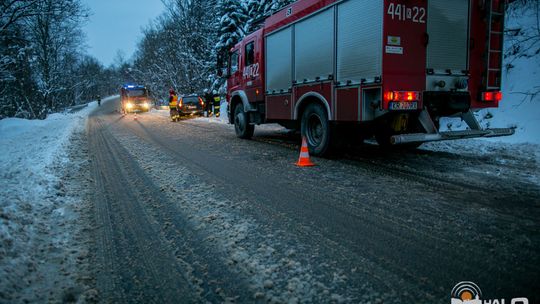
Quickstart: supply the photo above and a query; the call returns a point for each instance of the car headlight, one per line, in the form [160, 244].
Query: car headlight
[129, 105]
[146, 105]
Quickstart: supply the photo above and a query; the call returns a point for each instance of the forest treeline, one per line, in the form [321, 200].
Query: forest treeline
[43, 64]
[44, 67]
[184, 48]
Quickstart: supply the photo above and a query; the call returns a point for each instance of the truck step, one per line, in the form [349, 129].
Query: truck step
[449, 135]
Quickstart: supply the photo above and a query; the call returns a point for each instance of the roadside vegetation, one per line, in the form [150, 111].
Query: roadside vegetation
[44, 67]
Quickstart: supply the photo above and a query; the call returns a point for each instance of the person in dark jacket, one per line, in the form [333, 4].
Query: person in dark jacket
[209, 101]
[217, 105]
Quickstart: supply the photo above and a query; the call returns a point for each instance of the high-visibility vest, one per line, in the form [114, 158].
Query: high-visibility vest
[174, 101]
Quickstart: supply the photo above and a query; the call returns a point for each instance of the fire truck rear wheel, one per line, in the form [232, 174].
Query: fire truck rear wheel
[317, 130]
[241, 123]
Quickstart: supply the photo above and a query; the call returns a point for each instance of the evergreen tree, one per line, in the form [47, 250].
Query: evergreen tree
[256, 11]
[259, 9]
[231, 27]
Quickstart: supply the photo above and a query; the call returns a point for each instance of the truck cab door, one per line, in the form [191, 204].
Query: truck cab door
[235, 77]
[251, 74]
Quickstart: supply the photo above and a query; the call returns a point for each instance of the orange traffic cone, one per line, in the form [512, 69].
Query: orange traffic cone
[303, 160]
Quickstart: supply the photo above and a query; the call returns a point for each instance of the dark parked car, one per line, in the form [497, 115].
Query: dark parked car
[191, 105]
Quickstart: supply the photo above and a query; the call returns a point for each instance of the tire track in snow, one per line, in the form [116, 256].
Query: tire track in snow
[273, 276]
[134, 263]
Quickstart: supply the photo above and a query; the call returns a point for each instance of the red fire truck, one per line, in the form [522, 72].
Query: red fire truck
[384, 68]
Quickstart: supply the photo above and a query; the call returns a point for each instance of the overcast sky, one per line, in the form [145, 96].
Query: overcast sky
[116, 25]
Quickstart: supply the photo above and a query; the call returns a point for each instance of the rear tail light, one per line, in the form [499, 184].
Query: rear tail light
[181, 102]
[492, 96]
[402, 96]
[201, 101]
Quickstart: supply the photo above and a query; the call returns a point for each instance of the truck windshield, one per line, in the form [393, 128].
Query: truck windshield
[136, 93]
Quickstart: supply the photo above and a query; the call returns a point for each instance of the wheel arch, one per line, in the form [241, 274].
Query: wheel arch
[235, 100]
[308, 98]
[239, 96]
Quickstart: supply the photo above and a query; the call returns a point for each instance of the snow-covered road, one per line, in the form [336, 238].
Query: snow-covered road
[152, 211]
[235, 219]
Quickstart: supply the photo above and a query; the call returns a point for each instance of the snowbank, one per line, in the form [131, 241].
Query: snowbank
[34, 200]
[32, 144]
[517, 109]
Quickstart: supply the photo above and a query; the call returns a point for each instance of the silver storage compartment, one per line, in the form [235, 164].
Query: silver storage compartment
[314, 46]
[279, 61]
[447, 26]
[359, 40]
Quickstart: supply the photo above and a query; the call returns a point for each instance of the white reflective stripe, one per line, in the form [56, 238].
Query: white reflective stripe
[304, 154]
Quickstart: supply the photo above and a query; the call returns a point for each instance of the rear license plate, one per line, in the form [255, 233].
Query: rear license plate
[403, 105]
[192, 107]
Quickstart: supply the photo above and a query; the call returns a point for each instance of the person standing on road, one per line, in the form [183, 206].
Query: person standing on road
[173, 102]
[209, 100]
[217, 103]
[173, 99]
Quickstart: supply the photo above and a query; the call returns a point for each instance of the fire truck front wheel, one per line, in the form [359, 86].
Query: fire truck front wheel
[316, 128]
[241, 123]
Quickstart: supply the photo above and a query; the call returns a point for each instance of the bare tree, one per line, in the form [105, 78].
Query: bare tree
[57, 38]
[177, 49]
[40, 52]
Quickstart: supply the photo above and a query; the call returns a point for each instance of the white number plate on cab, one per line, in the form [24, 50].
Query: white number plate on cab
[403, 105]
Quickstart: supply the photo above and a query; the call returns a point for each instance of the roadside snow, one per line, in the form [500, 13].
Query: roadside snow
[213, 119]
[159, 112]
[35, 203]
[31, 145]
[518, 108]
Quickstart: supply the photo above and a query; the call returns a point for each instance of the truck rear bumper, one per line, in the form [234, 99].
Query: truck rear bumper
[450, 135]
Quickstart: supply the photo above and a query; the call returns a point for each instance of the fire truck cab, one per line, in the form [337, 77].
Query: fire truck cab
[384, 68]
[134, 98]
